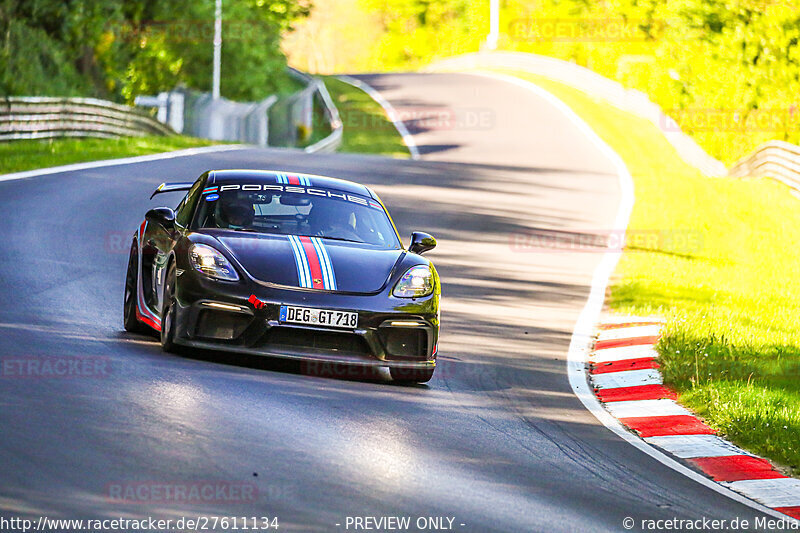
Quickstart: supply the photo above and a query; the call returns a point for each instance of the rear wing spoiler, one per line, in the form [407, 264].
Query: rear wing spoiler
[171, 187]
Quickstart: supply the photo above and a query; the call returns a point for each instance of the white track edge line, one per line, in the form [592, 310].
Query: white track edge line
[390, 111]
[582, 335]
[120, 161]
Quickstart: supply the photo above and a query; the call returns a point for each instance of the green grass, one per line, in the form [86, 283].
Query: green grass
[21, 155]
[366, 128]
[720, 263]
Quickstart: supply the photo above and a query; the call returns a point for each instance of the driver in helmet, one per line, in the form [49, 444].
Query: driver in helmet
[236, 213]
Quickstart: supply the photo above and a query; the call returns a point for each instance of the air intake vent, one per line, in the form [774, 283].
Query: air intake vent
[405, 342]
[317, 340]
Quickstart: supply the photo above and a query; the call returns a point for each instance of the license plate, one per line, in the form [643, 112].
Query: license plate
[319, 317]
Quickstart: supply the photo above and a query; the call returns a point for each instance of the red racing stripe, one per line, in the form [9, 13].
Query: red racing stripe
[794, 512]
[736, 468]
[658, 426]
[640, 392]
[641, 363]
[633, 341]
[293, 180]
[313, 261]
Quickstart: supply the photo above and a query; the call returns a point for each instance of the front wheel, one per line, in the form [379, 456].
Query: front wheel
[411, 375]
[168, 314]
[129, 320]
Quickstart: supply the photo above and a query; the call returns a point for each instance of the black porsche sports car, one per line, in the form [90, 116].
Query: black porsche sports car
[286, 265]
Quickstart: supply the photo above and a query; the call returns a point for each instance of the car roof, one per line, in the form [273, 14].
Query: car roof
[218, 177]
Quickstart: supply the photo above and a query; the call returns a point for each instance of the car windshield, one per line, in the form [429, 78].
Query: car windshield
[322, 213]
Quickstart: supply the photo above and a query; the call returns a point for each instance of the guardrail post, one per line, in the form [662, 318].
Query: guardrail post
[174, 107]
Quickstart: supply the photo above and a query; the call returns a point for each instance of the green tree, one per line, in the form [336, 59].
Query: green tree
[121, 48]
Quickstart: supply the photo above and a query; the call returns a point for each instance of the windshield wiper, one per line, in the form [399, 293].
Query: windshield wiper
[342, 239]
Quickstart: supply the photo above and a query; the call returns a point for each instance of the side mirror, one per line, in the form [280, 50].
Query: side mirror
[164, 216]
[421, 242]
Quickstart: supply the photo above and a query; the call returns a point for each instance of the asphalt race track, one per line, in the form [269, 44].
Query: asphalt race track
[496, 440]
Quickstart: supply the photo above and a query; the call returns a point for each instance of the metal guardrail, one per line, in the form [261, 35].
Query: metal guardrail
[220, 119]
[281, 121]
[775, 159]
[331, 114]
[38, 117]
[297, 115]
[275, 121]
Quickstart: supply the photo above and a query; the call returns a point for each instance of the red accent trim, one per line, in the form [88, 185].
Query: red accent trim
[640, 392]
[794, 512]
[621, 325]
[257, 303]
[736, 468]
[139, 299]
[147, 320]
[640, 363]
[145, 317]
[151, 323]
[293, 180]
[313, 263]
[658, 426]
[633, 341]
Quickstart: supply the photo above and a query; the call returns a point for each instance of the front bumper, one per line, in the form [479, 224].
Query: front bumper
[393, 332]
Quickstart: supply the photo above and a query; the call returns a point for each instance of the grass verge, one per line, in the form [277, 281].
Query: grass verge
[366, 128]
[21, 155]
[718, 258]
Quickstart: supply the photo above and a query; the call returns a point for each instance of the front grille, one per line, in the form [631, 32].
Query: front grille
[317, 340]
[405, 342]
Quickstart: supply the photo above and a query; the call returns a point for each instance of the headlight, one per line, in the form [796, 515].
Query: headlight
[210, 262]
[416, 282]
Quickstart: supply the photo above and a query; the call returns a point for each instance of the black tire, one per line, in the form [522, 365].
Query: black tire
[129, 320]
[411, 375]
[168, 314]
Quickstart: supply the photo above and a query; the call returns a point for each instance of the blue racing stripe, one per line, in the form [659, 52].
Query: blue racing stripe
[298, 262]
[303, 270]
[302, 263]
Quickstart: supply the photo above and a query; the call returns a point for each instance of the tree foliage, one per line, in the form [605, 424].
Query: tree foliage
[728, 70]
[416, 31]
[118, 49]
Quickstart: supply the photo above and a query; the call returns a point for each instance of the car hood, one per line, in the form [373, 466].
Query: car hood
[356, 268]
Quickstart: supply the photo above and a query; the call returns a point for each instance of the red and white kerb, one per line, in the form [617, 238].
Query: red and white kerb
[625, 376]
